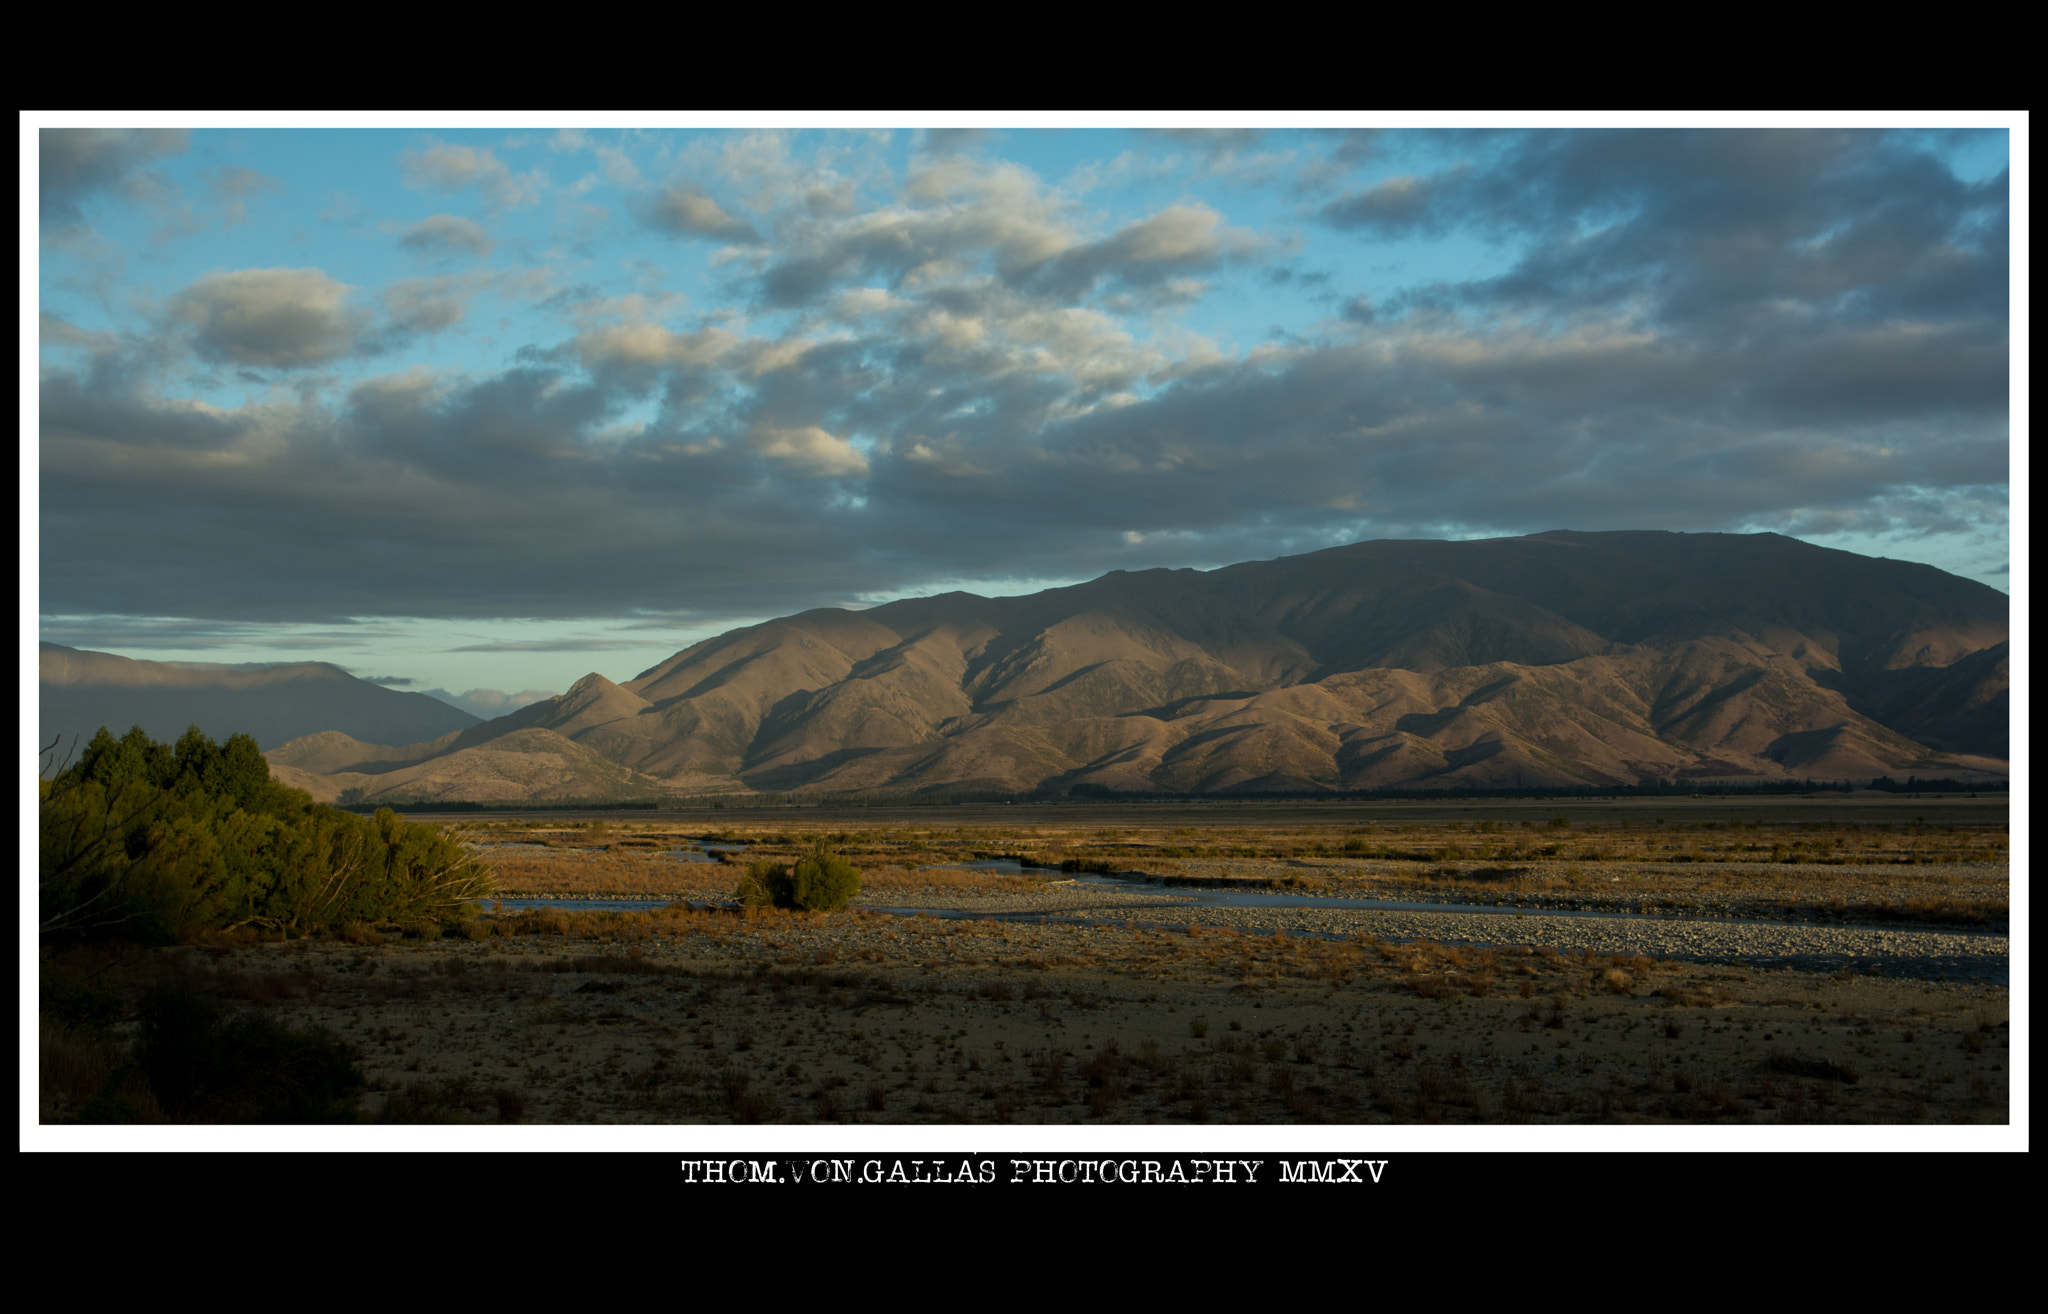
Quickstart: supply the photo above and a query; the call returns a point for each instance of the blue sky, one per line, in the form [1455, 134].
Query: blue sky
[479, 407]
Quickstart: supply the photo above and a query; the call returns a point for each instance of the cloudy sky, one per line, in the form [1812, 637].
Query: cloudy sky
[480, 409]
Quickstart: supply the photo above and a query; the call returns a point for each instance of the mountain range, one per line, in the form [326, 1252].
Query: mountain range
[1557, 659]
[79, 691]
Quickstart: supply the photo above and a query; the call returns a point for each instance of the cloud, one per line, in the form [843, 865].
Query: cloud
[52, 331]
[551, 645]
[428, 305]
[643, 347]
[618, 166]
[388, 681]
[1394, 207]
[1234, 155]
[444, 235]
[961, 219]
[811, 450]
[767, 174]
[952, 141]
[685, 209]
[1216, 142]
[967, 375]
[282, 318]
[443, 166]
[1151, 253]
[1023, 446]
[1721, 232]
[146, 633]
[233, 187]
[74, 164]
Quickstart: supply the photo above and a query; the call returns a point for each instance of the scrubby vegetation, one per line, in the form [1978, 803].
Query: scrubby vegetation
[173, 1048]
[819, 882]
[144, 845]
[164, 843]
[205, 1064]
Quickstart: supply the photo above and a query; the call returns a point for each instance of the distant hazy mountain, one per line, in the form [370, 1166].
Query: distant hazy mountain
[82, 691]
[1557, 659]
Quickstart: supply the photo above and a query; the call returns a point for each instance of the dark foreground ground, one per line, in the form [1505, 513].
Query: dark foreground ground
[862, 1017]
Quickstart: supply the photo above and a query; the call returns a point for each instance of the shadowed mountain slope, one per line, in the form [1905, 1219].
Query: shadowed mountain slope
[526, 764]
[1557, 659]
[80, 691]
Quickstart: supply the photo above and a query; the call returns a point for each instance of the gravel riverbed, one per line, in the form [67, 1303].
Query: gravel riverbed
[1719, 937]
[1889, 951]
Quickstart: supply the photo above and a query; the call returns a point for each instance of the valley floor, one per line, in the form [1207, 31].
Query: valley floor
[1735, 994]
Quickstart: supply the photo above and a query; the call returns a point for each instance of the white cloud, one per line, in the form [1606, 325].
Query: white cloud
[650, 346]
[811, 450]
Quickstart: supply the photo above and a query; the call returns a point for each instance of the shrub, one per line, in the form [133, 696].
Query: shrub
[165, 843]
[819, 882]
[758, 888]
[205, 1066]
[76, 999]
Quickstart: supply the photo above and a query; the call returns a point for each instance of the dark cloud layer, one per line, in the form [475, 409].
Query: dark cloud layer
[1802, 331]
[75, 163]
[1715, 231]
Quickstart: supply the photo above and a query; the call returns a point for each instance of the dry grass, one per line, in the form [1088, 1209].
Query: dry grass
[72, 1068]
[1898, 871]
[573, 873]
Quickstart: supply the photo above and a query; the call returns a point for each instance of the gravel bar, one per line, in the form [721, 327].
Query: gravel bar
[1888, 951]
[1883, 950]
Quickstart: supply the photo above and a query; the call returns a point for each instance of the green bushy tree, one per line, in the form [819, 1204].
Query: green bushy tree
[819, 882]
[164, 842]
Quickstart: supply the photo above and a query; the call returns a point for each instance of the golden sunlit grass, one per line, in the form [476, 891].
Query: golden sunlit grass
[573, 874]
[1469, 844]
[1898, 871]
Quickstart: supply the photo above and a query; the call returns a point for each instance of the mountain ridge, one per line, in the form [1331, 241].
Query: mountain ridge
[1564, 658]
[80, 690]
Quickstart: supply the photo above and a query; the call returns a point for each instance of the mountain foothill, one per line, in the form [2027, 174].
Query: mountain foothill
[1556, 660]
